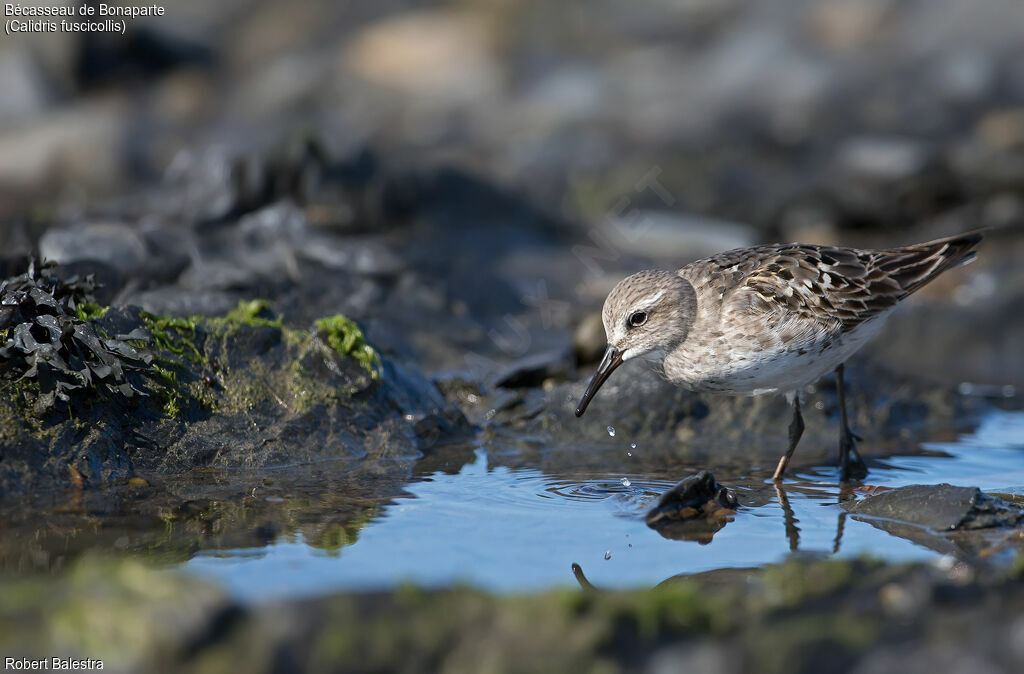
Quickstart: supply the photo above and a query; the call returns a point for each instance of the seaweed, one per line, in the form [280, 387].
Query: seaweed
[49, 341]
[346, 339]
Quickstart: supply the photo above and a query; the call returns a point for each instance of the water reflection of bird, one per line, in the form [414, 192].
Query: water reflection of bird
[768, 319]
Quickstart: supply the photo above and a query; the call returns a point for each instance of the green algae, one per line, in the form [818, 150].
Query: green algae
[88, 311]
[345, 337]
[255, 313]
[176, 335]
[184, 344]
[170, 390]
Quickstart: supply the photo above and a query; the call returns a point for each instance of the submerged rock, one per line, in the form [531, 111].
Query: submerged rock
[694, 509]
[962, 522]
[941, 507]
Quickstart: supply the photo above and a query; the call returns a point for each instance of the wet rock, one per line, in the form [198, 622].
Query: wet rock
[671, 423]
[535, 369]
[117, 245]
[169, 250]
[175, 301]
[240, 390]
[274, 246]
[940, 507]
[694, 509]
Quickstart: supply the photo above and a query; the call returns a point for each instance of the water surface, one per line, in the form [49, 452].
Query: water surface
[519, 529]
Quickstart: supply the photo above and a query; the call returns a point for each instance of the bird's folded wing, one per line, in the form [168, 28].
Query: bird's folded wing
[835, 289]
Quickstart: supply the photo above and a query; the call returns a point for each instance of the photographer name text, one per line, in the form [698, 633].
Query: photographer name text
[51, 664]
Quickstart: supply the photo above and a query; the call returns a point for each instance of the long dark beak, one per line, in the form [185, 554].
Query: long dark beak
[612, 359]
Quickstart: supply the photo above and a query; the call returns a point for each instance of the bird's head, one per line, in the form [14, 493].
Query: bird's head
[645, 316]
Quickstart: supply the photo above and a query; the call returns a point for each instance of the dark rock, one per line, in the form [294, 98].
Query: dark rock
[109, 281]
[117, 245]
[672, 424]
[694, 509]
[535, 369]
[940, 507]
[176, 301]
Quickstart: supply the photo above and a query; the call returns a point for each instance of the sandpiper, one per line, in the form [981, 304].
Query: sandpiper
[768, 319]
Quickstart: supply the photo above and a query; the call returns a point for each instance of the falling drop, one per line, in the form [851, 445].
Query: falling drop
[611, 431]
[629, 453]
[632, 445]
[625, 482]
[607, 554]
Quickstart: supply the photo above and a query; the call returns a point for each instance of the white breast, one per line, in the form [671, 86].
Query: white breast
[738, 366]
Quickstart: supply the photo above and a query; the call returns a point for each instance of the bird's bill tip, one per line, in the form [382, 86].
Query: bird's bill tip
[612, 359]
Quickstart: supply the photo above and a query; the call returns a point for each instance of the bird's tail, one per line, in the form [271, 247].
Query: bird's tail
[914, 266]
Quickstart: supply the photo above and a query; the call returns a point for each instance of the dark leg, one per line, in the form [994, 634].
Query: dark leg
[851, 466]
[796, 429]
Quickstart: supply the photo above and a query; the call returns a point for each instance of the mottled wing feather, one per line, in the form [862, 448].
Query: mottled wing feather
[834, 288]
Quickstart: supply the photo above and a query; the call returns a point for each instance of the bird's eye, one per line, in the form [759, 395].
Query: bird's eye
[637, 318]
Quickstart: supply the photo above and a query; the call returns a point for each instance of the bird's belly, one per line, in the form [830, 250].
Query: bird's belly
[742, 370]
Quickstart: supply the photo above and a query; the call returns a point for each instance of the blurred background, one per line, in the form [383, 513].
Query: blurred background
[762, 112]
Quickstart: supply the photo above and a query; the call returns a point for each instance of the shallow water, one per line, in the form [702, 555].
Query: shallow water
[519, 529]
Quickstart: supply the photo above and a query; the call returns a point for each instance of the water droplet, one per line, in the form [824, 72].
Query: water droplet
[630, 545]
[607, 554]
[632, 445]
[629, 453]
[611, 431]
[625, 482]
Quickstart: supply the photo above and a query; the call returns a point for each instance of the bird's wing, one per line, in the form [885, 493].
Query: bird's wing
[833, 288]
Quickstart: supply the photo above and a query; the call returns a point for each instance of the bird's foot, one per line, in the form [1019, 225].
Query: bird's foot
[851, 465]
